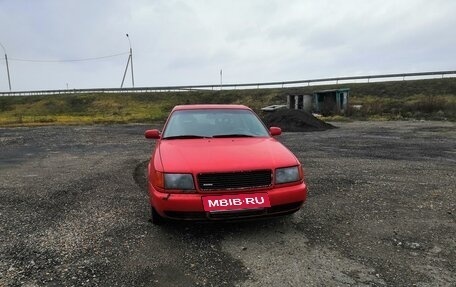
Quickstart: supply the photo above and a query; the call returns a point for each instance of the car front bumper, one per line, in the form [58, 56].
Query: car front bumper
[284, 200]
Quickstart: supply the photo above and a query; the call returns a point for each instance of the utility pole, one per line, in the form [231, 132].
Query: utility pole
[130, 61]
[7, 67]
[221, 79]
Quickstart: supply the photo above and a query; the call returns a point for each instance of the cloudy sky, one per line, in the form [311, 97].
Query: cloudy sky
[179, 42]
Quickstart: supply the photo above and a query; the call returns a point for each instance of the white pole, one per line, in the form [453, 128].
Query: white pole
[7, 67]
[131, 62]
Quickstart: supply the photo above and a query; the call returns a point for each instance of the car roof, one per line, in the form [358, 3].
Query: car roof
[210, 107]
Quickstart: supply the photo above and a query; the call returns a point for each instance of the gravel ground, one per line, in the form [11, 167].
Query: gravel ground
[381, 212]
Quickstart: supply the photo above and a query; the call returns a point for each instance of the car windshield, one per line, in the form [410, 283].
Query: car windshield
[214, 123]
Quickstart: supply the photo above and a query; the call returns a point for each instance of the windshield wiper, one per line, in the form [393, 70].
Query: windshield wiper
[233, 136]
[185, 137]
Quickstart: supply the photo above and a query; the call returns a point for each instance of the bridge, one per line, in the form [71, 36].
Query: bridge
[282, 84]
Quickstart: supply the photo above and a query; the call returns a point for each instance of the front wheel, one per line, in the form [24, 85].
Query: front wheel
[156, 218]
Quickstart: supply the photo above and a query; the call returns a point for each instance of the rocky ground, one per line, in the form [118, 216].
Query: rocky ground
[294, 121]
[381, 212]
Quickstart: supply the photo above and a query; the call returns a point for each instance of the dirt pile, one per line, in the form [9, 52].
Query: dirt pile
[294, 121]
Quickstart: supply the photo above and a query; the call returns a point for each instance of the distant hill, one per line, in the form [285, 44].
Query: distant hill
[433, 99]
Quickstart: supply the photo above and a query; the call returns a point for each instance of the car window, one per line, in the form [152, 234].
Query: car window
[217, 122]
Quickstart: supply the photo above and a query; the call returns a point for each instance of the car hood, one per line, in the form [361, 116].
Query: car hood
[223, 154]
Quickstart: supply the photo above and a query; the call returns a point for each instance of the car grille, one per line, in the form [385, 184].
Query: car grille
[235, 180]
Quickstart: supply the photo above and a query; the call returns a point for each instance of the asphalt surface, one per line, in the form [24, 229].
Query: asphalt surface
[381, 212]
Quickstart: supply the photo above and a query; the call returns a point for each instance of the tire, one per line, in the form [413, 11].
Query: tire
[156, 218]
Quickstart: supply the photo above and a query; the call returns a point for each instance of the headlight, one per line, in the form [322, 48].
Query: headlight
[287, 174]
[178, 181]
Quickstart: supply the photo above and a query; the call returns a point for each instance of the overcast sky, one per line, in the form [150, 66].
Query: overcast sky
[189, 41]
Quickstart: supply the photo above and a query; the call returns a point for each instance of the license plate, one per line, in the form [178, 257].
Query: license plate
[236, 201]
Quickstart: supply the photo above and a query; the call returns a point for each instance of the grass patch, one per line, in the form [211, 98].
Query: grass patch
[335, 118]
[423, 99]
[429, 107]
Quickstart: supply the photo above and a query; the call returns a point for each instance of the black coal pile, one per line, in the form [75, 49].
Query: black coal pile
[294, 121]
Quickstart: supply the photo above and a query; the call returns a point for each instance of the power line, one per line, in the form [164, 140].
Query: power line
[68, 60]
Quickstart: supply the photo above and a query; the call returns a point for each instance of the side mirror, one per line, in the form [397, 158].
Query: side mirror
[152, 134]
[275, 131]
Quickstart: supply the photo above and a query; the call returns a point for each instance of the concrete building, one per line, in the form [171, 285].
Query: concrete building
[325, 102]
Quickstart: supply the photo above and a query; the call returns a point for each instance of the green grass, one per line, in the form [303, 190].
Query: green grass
[424, 99]
[432, 107]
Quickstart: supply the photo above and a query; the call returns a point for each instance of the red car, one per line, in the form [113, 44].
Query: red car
[220, 162]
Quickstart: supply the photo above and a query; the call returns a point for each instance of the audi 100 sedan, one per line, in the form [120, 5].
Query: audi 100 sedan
[220, 162]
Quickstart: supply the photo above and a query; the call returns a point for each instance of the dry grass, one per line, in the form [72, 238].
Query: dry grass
[424, 99]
